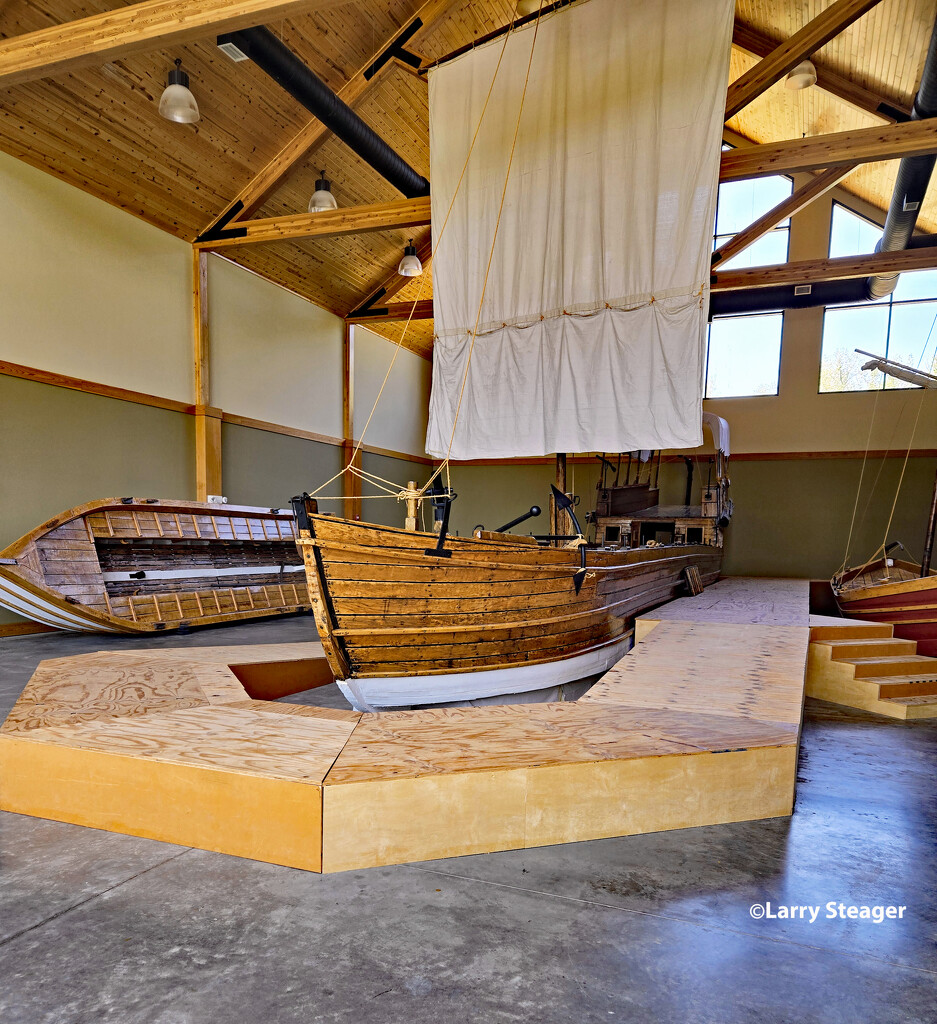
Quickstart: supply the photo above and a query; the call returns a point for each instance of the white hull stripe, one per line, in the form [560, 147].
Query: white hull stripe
[196, 574]
[371, 694]
[18, 599]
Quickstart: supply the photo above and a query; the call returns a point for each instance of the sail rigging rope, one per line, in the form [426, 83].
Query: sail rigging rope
[392, 489]
[838, 575]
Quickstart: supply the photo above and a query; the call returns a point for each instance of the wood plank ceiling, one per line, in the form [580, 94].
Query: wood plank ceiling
[98, 128]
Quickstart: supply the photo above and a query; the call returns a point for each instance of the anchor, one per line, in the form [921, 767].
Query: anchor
[565, 504]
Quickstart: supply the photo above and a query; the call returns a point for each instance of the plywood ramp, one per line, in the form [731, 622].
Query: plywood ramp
[698, 726]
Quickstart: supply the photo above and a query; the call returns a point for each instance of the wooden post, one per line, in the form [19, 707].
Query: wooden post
[558, 523]
[351, 484]
[412, 508]
[207, 418]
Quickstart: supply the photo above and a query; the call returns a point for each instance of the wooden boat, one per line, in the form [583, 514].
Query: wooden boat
[129, 565]
[889, 590]
[899, 592]
[410, 618]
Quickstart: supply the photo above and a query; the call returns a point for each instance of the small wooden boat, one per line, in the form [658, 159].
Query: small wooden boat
[890, 590]
[410, 618]
[129, 565]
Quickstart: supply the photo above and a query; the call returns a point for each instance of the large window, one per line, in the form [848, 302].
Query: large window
[744, 352]
[900, 326]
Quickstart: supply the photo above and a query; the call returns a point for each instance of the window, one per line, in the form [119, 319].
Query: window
[743, 355]
[900, 326]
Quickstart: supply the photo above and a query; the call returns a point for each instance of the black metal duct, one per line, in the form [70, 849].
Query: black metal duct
[763, 300]
[914, 174]
[289, 72]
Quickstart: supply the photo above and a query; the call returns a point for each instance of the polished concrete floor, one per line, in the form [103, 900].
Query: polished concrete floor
[96, 927]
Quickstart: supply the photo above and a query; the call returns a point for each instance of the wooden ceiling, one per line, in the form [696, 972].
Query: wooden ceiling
[98, 127]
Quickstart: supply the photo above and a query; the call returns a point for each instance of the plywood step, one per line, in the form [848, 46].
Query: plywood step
[913, 707]
[904, 686]
[852, 631]
[887, 647]
[903, 665]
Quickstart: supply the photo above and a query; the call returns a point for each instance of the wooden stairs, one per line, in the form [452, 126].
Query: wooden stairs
[863, 665]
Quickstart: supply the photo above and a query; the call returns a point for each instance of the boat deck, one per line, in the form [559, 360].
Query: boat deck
[877, 575]
[698, 725]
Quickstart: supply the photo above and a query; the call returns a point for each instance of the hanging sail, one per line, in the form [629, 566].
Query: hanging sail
[591, 319]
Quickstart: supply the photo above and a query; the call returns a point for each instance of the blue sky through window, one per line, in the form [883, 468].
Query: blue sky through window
[744, 352]
[900, 326]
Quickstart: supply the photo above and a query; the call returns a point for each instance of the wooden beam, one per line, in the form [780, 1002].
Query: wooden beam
[151, 25]
[422, 310]
[200, 327]
[816, 271]
[207, 419]
[887, 109]
[400, 213]
[351, 483]
[864, 145]
[255, 192]
[786, 56]
[796, 202]
[379, 293]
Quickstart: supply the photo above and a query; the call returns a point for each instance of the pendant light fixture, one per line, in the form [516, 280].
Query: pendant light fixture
[410, 265]
[322, 198]
[525, 7]
[802, 77]
[177, 102]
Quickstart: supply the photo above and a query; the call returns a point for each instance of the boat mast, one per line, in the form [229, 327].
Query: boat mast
[929, 536]
[557, 515]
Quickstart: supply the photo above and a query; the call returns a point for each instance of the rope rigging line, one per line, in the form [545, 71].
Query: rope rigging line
[881, 548]
[393, 489]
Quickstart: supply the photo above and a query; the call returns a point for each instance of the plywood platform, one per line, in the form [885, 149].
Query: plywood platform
[698, 725]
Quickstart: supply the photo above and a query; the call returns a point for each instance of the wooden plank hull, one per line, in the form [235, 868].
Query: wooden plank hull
[474, 623]
[909, 605]
[125, 565]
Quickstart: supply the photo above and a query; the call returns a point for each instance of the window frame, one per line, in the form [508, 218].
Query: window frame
[750, 316]
[890, 304]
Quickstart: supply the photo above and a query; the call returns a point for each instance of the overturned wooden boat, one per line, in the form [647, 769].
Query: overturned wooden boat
[411, 618]
[130, 565]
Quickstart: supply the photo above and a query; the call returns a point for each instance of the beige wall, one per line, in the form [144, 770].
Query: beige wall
[274, 356]
[399, 421]
[90, 291]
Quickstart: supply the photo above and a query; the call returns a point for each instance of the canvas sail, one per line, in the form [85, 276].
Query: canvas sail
[591, 333]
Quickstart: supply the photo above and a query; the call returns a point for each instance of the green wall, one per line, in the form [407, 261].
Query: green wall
[60, 448]
[791, 515]
[389, 511]
[259, 467]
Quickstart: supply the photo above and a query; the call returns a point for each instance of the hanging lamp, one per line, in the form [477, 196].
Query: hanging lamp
[177, 102]
[802, 77]
[322, 198]
[410, 265]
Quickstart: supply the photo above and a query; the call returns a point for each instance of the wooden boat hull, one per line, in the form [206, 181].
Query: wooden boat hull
[124, 565]
[910, 605]
[388, 610]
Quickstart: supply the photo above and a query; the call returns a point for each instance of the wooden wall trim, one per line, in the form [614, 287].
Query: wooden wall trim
[579, 460]
[61, 380]
[310, 435]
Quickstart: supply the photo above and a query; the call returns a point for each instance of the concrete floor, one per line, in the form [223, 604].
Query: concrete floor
[101, 927]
